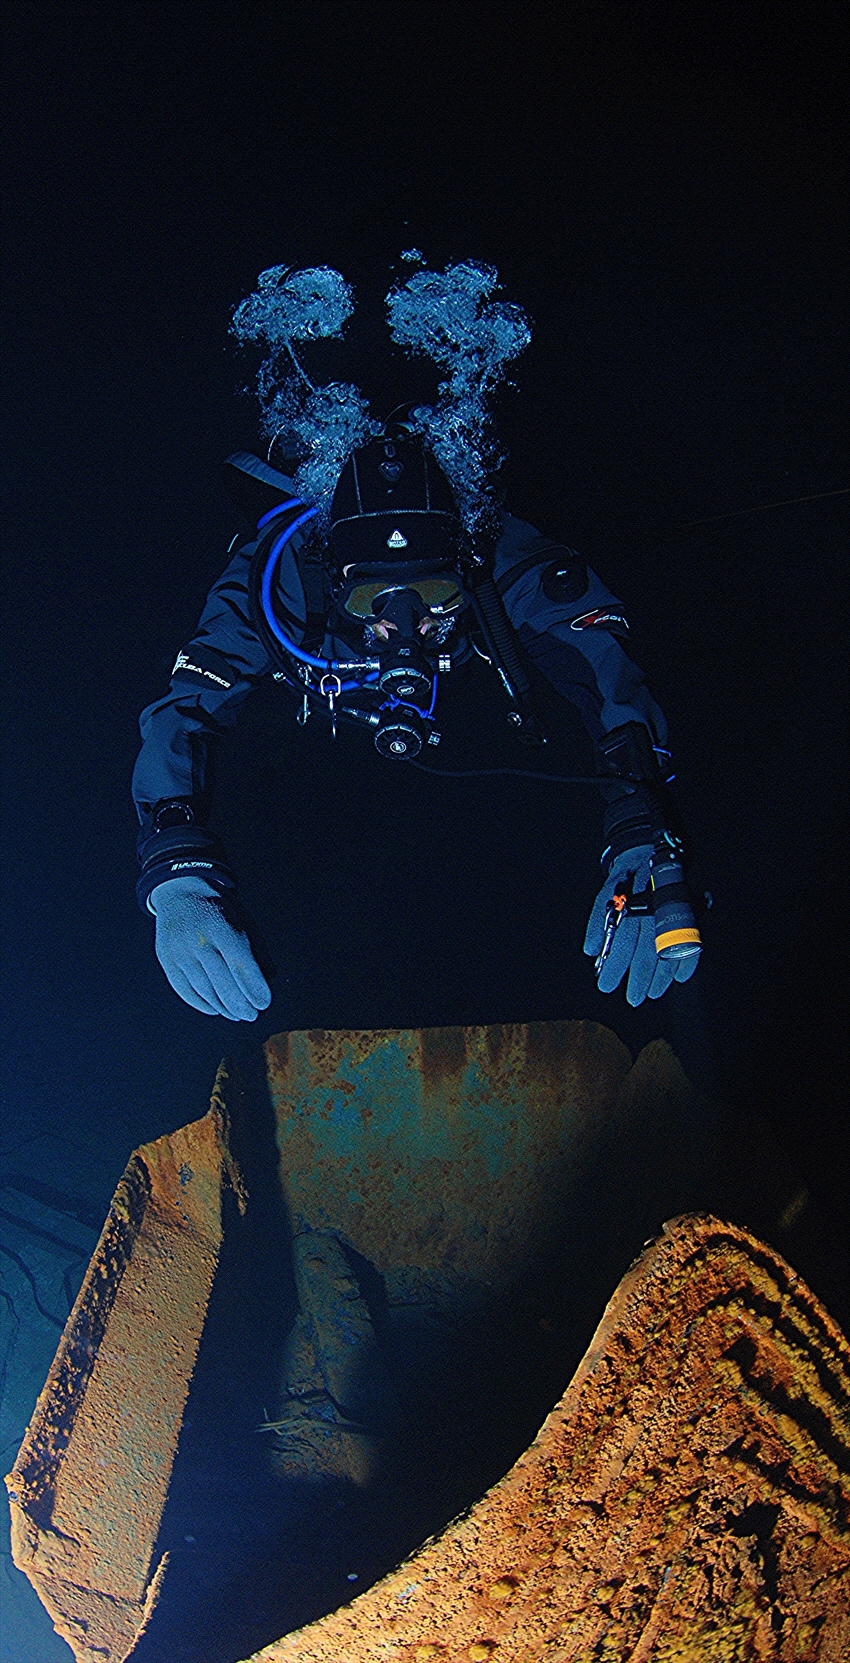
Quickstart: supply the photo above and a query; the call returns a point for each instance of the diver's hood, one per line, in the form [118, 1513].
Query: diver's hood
[394, 503]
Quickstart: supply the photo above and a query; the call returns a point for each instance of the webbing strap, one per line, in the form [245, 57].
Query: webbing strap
[314, 579]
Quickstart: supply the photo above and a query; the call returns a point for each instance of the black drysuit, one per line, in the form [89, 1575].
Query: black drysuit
[564, 616]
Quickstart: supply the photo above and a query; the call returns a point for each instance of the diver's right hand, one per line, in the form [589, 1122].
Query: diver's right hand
[206, 958]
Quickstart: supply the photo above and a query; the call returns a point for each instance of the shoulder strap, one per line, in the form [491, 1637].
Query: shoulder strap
[317, 597]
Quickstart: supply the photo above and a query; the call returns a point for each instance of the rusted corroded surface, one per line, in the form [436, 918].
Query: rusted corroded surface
[90, 1482]
[446, 1158]
[445, 1150]
[686, 1500]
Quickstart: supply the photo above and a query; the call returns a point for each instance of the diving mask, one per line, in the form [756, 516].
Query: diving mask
[369, 588]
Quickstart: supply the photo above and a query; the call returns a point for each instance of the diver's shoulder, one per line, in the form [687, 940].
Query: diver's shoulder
[522, 536]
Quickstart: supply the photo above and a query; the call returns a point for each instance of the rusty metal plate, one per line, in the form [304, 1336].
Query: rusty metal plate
[441, 1151]
[687, 1500]
[89, 1485]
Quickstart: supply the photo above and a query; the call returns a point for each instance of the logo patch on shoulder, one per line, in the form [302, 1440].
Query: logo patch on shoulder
[184, 662]
[396, 541]
[603, 618]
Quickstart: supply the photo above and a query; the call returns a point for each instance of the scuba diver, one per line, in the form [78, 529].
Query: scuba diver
[368, 580]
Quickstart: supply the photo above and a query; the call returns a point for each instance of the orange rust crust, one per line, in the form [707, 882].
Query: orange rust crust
[442, 1146]
[687, 1500]
[89, 1485]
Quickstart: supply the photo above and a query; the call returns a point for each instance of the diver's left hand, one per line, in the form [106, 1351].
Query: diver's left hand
[633, 948]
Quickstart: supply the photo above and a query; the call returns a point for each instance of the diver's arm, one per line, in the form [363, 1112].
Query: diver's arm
[569, 624]
[566, 620]
[212, 676]
[202, 938]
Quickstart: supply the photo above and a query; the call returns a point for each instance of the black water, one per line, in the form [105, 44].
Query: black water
[661, 188]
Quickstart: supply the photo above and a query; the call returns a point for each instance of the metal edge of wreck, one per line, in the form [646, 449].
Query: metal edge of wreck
[90, 1565]
[683, 1437]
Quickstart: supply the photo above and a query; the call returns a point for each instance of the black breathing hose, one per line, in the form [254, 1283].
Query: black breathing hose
[499, 636]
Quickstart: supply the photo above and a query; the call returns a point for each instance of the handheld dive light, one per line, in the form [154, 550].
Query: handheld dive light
[667, 899]
[676, 932]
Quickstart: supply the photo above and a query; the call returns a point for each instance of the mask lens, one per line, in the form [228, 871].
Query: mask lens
[439, 594]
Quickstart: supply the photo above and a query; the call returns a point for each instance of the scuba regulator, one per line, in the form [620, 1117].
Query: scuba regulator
[391, 588]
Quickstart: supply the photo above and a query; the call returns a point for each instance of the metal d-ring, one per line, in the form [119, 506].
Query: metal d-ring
[331, 694]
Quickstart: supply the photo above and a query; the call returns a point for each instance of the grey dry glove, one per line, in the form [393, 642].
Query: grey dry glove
[633, 946]
[207, 959]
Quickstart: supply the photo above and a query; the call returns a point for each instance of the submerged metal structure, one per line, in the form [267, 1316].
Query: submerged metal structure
[686, 1498]
[91, 1479]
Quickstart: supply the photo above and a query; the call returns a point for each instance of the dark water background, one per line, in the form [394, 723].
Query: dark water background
[661, 187]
